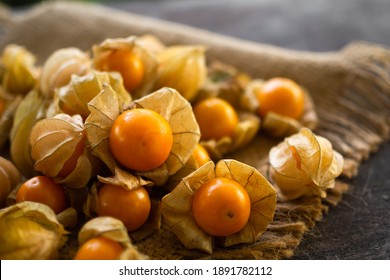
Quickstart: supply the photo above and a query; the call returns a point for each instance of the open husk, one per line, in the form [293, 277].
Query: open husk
[54, 142]
[18, 74]
[113, 229]
[149, 61]
[182, 68]
[244, 133]
[276, 125]
[60, 66]
[225, 82]
[176, 206]
[304, 164]
[30, 231]
[168, 103]
[75, 96]
[31, 109]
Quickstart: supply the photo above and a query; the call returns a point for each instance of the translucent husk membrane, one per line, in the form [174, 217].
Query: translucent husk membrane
[177, 214]
[53, 142]
[30, 231]
[304, 164]
[182, 68]
[18, 74]
[60, 66]
[75, 96]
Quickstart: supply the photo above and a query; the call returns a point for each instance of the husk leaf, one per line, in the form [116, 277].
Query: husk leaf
[101, 51]
[104, 109]
[30, 230]
[60, 66]
[19, 74]
[225, 82]
[31, 109]
[7, 117]
[182, 68]
[9, 178]
[245, 132]
[75, 96]
[176, 206]
[304, 165]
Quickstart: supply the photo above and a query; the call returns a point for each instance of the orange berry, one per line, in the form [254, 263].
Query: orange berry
[200, 155]
[128, 64]
[141, 139]
[282, 96]
[132, 207]
[221, 207]
[99, 248]
[216, 118]
[43, 190]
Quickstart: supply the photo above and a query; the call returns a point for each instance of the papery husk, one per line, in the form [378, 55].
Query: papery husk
[276, 125]
[113, 229]
[104, 109]
[74, 97]
[151, 43]
[312, 173]
[168, 103]
[30, 231]
[102, 50]
[225, 82]
[152, 224]
[19, 74]
[176, 206]
[7, 117]
[245, 132]
[182, 68]
[60, 66]
[9, 178]
[53, 141]
[31, 109]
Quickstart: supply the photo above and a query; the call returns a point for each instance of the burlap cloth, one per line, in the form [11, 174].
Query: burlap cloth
[350, 89]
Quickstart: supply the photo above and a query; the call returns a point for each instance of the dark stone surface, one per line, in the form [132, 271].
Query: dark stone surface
[359, 228]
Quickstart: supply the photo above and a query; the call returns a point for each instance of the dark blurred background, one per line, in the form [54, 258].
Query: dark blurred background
[359, 228]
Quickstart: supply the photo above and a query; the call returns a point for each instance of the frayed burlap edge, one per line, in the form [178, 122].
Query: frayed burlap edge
[350, 88]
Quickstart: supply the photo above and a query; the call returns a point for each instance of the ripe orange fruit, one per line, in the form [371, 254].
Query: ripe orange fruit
[282, 96]
[221, 207]
[99, 248]
[200, 155]
[132, 207]
[43, 190]
[141, 139]
[216, 118]
[71, 163]
[128, 64]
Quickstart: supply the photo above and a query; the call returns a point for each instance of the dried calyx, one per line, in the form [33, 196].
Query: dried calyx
[304, 164]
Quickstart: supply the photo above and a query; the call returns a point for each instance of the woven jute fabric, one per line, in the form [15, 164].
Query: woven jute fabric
[350, 89]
